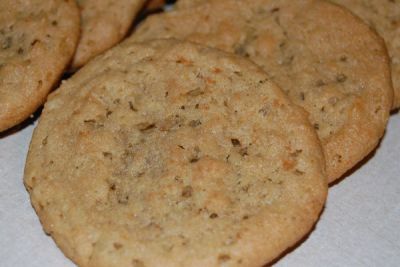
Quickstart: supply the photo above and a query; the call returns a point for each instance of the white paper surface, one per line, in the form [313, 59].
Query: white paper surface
[360, 225]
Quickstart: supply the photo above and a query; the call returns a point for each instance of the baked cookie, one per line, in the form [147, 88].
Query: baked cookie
[173, 154]
[188, 3]
[384, 17]
[37, 41]
[327, 61]
[103, 24]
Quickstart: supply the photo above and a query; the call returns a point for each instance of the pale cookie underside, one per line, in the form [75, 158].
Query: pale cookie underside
[104, 23]
[325, 59]
[384, 17]
[173, 154]
[37, 41]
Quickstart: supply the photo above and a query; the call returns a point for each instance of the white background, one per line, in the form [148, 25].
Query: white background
[360, 225]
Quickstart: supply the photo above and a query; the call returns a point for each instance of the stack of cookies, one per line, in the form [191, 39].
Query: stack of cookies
[209, 136]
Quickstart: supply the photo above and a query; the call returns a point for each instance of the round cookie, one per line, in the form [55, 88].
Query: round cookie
[173, 154]
[103, 24]
[327, 61]
[384, 17]
[37, 40]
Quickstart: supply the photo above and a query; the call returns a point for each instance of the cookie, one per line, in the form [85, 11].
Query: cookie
[188, 3]
[103, 24]
[173, 154]
[384, 17]
[37, 41]
[327, 60]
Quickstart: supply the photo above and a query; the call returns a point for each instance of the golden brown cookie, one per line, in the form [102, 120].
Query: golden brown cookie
[37, 40]
[103, 24]
[188, 3]
[173, 154]
[327, 60]
[384, 17]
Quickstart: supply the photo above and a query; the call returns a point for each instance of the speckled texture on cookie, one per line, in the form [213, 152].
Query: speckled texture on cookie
[384, 17]
[37, 41]
[173, 154]
[188, 3]
[327, 60]
[104, 23]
